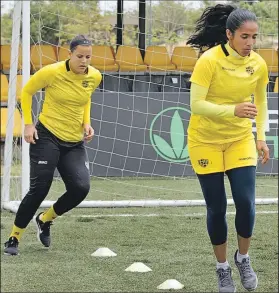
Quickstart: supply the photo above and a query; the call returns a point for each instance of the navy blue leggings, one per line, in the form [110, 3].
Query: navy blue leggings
[242, 181]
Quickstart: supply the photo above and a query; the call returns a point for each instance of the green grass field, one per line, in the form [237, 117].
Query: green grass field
[142, 188]
[173, 242]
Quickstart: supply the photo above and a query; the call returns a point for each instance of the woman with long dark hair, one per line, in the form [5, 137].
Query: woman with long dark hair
[228, 91]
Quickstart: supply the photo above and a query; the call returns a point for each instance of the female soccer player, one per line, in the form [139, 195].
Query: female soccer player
[58, 138]
[228, 90]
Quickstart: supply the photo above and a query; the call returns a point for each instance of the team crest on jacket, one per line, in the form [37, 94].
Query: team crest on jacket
[85, 83]
[250, 70]
[203, 162]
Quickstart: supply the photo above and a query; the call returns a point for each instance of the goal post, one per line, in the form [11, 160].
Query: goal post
[25, 76]
[8, 146]
[139, 155]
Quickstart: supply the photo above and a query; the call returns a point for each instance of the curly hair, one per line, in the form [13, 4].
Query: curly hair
[211, 27]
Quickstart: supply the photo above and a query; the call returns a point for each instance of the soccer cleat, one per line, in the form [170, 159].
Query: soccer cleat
[225, 281]
[11, 246]
[43, 233]
[248, 277]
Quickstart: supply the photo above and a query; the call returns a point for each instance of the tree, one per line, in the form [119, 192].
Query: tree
[167, 22]
[167, 18]
[6, 28]
[171, 22]
[57, 22]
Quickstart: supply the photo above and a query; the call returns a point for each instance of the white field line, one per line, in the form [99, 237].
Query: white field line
[149, 215]
[158, 215]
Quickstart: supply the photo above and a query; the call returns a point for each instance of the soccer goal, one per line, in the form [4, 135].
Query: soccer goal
[140, 112]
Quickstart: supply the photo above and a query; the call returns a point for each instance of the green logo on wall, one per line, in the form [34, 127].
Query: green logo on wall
[168, 132]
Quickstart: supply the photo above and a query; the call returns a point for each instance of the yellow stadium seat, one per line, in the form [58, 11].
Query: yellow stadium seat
[17, 123]
[6, 57]
[63, 53]
[184, 58]
[130, 59]
[4, 88]
[276, 85]
[42, 55]
[157, 59]
[103, 58]
[18, 87]
[271, 58]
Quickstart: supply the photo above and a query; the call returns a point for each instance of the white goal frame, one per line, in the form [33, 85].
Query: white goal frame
[23, 8]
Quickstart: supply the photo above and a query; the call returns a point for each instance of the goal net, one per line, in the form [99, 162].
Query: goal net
[140, 112]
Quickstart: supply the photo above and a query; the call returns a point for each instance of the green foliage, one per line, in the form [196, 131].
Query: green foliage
[168, 22]
[130, 35]
[57, 22]
[6, 28]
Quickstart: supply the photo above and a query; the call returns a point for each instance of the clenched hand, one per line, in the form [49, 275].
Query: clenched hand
[30, 133]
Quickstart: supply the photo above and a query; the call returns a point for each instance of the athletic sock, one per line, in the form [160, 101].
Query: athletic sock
[240, 257]
[48, 215]
[17, 232]
[222, 265]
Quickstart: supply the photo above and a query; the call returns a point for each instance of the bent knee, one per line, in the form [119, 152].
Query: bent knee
[80, 188]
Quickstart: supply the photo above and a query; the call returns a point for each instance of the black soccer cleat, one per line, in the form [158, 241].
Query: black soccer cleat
[11, 246]
[43, 233]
